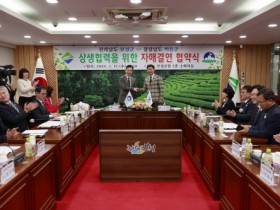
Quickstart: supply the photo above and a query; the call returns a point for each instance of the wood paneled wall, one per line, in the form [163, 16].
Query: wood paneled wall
[253, 60]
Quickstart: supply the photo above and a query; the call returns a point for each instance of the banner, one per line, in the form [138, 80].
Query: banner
[116, 57]
[39, 73]
[233, 81]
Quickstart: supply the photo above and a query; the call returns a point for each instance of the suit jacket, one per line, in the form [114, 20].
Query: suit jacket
[3, 131]
[268, 125]
[247, 111]
[228, 105]
[12, 118]
[125, 88]
[40, 114]
[155, 87]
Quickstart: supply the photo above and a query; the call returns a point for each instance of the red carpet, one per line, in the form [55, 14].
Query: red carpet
[87, 193]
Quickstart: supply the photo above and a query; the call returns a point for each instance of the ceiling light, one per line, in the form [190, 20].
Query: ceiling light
[242, 36]
[52, 1]
[228, 41]
[199, 19]
[218, 1]
[27, 36]
[178, 41]
[135, 1]
[93, 42]
[43, 42]
[87, 36]
[72, 18]
[184, 36]
[136, 41]
[135, 36]
[272, 25]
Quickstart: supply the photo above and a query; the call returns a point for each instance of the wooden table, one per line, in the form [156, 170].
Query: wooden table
[241, 186]
[140, 155]
[72, 150]
[204, 150]
[33, 186]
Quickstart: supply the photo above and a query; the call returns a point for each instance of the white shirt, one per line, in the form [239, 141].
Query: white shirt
[25, 88]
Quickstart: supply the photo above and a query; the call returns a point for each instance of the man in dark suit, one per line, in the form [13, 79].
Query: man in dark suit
[12, 114]
[247, 109]
[127, 83]
[269, 121]
[6, 133]
[40, 114]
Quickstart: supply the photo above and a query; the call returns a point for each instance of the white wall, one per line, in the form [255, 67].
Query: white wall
[7, 57]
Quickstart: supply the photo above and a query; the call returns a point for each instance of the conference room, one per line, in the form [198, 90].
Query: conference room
[135, 87]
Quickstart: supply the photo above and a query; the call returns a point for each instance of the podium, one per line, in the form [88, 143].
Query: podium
[140, 155]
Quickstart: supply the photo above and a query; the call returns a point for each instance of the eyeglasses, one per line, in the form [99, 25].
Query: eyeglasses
[261, 102]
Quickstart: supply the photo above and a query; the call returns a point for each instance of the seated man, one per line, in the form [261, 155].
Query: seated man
[40, 114]
[12, 114]
[269, 121]
[247, 109]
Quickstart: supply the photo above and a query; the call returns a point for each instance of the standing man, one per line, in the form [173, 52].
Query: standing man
[40, 114]
[127, 83]
[154, 84]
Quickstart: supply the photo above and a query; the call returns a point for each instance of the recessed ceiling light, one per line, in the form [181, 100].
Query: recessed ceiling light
[135, 36]
[72, 18]
[52, 1]
[272, 25]
[43, 42]
[135, 1]
[242, 36]
[87, 36]
[178, 41]
[93, 42]
[136, 41]
[27, 36]
[184, 36]
[218, 1]
[199, 19]
[228, 41]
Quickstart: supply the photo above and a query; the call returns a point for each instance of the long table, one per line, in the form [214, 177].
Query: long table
[33, 185]
[71, 150]
[241, 186]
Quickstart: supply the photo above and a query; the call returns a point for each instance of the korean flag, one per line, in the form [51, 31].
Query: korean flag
[149, 100]
[128, 100]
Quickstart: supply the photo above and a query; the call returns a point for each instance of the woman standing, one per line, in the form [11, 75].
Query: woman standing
[25, 87]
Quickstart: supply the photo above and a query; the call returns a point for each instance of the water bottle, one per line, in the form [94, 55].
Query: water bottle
[28, 148]
[267, 159]
[221, 125]
[244, 140]
[72, 121]
[248, 149]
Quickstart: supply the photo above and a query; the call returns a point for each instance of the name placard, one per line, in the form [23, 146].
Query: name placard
[41, 147]
[235, 148]
[7, 171]
[267, 174]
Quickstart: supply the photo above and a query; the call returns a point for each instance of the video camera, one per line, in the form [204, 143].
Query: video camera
[7, 71]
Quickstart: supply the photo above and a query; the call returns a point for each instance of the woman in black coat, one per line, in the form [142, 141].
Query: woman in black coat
[228, 104]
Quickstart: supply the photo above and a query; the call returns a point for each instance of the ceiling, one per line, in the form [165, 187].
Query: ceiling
[222, 22]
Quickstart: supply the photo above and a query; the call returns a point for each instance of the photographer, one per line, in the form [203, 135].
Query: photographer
[5, 73]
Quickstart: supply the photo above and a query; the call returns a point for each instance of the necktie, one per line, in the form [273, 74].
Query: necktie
[255, 122]
[151, 79]
[43, 105]
[14, 107]
[128, 80]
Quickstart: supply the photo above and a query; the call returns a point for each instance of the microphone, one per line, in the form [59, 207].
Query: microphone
[67, 99]
[18, 158]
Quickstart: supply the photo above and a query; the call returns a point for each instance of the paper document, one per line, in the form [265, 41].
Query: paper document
[49, 124]
[7, 150]
[36, 132]
[230, 126]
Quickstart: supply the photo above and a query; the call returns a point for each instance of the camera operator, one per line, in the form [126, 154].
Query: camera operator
[5, 73]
